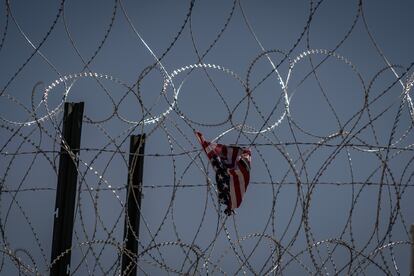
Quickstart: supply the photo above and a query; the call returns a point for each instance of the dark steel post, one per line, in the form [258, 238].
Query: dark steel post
[133, 201]
[412, 250]
[66, 189]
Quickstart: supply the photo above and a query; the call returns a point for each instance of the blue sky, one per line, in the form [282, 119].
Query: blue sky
[335, 158]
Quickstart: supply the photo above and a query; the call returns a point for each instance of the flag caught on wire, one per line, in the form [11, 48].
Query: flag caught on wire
[232, 167]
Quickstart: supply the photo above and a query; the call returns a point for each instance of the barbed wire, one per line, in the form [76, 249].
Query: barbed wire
[283, 226]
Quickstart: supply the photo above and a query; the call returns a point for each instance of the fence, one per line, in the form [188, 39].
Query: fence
[330, 129]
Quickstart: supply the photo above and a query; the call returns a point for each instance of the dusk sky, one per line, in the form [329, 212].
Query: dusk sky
[319, 90]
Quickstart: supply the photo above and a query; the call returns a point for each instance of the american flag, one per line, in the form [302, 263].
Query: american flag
[232, 167]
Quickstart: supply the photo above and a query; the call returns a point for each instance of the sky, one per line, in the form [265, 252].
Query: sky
[319, 90]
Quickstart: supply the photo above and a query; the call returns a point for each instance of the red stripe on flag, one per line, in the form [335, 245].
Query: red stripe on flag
[245, 172]
[210, 154]
[234, 157]
[218, 148]
[224, 152]
[205, 144]
[236, 185]
[200, 137]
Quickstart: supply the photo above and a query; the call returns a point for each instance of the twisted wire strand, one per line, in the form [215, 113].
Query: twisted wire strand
[365, 160]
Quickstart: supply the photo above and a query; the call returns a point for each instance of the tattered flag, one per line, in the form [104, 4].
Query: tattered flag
[232, 167]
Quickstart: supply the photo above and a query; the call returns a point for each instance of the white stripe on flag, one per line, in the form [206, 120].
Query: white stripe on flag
[241, 182]
[209, 149]
[233, 197]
